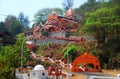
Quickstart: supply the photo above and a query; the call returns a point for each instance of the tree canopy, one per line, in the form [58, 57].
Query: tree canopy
[104, 24]
[24, 20]
[42, 14]
[10, 58]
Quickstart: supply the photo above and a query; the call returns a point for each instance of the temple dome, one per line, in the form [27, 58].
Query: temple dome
[39, 67]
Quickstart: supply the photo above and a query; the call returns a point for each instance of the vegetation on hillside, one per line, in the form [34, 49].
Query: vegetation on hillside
[104, 24]
[99, 19]
[10, 57]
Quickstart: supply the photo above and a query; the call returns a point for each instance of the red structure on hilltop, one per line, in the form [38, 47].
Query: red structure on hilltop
[56, 27]
[56, 23]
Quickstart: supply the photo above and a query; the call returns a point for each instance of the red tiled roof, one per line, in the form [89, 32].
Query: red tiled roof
[29, 31]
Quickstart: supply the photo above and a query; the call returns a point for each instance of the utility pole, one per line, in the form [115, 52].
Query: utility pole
[21, 63]
[67, 64]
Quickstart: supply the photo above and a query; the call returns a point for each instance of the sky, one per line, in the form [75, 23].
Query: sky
[30, 7]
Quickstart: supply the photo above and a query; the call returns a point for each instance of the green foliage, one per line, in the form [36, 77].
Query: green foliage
[10, 58]
[3, 27]
[89, 6]
[22, 39]
[13, 25]
[23, 20]
[69, 50]
[15, 28]
[103, 23]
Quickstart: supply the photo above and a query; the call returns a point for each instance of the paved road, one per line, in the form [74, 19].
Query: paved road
[89, 74]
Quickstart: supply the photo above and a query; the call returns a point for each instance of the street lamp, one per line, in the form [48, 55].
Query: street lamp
[67, 66]
[22, 57]
[67, 63]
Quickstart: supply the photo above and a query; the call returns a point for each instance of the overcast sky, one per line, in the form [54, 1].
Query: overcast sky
[30, 7]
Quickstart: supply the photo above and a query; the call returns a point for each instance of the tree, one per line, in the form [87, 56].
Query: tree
[91, 2]
[7, 38]
[42, 14]
[9, 19]
[89, 6]
[24, 20]
[10, 58]
[13, 26]
[67, 4]
[2, 26]
[103, 24]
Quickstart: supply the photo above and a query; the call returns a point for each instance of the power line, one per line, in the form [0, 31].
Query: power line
[3, 15]
[17, 18]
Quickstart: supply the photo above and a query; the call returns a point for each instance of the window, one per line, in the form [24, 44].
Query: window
[43, 74]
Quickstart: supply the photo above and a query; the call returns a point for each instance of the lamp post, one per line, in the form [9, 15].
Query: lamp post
[21, 57]
[67, 66]
[67, 63]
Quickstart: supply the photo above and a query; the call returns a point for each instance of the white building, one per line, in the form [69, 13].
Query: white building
[39, 72]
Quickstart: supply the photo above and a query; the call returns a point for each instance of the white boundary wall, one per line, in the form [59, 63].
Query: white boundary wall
[38, 74]
[102, 77]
